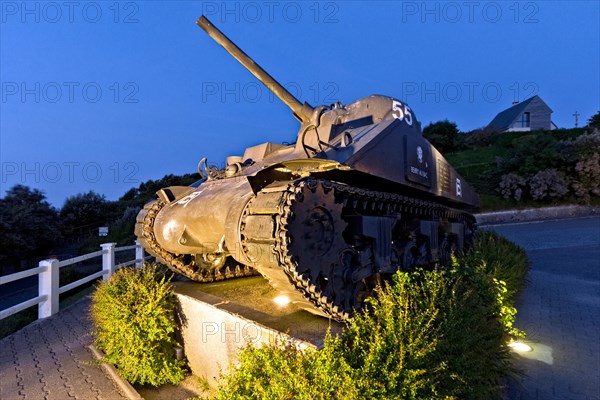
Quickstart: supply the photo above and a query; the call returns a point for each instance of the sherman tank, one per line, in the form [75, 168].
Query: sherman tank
[360, 195]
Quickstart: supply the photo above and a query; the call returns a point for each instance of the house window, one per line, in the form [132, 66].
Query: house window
[524, 121]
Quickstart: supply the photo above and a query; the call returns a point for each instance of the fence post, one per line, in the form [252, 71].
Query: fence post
[48, 285]
[108, 260]
[139, 255]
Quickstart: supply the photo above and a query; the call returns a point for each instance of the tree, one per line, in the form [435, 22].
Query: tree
[85, 212]
[443, 135]
[594, 121]
[28, 225]
[137, 197]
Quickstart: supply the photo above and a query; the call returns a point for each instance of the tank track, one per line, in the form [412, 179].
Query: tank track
[182, 264]
[282, 205]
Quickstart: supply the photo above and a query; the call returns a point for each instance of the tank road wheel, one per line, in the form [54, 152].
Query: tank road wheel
[210, 261]
[350, 289]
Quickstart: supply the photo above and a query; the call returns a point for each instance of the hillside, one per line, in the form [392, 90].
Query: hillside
[530, 169]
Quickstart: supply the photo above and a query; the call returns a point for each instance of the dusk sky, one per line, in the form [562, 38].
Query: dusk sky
[102, 95]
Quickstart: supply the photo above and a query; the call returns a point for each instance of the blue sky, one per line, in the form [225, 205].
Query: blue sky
[103, 95]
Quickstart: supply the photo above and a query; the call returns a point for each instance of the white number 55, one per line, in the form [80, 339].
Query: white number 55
[402, 112]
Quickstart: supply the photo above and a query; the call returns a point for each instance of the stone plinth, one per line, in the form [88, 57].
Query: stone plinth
[221, 318]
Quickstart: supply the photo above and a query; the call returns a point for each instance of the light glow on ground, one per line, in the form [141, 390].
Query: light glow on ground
[282, 300]
[520, 347]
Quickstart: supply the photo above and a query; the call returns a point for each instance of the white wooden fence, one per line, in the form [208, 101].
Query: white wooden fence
[49, 270]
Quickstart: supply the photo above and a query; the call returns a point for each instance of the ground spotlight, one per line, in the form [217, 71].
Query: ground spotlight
[282, 300]
[520, 347]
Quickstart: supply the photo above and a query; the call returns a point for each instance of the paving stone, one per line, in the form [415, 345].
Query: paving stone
[49, 360]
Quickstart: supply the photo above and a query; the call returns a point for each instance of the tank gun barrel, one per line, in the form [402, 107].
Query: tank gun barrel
[302, 112]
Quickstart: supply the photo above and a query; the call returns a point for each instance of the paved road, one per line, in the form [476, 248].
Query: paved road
[18, 291]
[560, 309]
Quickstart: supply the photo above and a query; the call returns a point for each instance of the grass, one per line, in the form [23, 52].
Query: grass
[474, 157]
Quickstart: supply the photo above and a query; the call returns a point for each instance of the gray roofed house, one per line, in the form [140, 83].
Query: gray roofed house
[529, 115]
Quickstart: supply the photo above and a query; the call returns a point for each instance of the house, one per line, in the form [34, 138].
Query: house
[529, 115]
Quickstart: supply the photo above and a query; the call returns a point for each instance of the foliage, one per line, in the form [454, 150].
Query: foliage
[588, 177]
[478, 138]
[431, 335]
[287, 372]
[503, 260]
[134, 316]
[533, 153]
[122, 220]
[120, 231]
[531, 169]
[85, 212]
[548, 183]
[443, 135]
[511, 186]
[594, 121]
[28, 225]
[137, 197]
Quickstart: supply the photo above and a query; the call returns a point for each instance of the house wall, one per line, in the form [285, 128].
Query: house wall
[540, 115]
[514, 128]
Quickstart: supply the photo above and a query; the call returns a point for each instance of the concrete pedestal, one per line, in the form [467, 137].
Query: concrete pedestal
[218, 319]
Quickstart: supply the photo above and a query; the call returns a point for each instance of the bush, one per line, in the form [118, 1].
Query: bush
[287, 372]
[508, 264]
[432, 335]
[504, 260]
[511, 186]
[548, 184]
[588, 178]
[134, 316]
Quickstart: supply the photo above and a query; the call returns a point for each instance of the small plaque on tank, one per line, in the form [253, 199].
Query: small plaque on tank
[418, 162]
[444, 176]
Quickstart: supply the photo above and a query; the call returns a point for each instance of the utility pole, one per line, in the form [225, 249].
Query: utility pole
[576, 115]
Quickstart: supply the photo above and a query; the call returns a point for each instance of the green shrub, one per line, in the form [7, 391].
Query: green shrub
[134, 315]
[507, 264]
[502, 259]
[431, 335]
[287, 372]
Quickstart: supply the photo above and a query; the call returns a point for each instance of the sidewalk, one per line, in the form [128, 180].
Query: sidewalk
[49, 359]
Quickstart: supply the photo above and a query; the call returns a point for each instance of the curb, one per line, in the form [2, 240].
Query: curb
[110, 369]
[535, 214]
